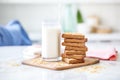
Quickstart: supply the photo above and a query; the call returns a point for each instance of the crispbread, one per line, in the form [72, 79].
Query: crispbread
[76, 48]
[73, 56]
[72, 61]
[73, 52]
[73, 35]
[73, 44]
[75, 40]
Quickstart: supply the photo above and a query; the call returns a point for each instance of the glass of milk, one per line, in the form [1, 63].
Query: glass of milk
[51, 41]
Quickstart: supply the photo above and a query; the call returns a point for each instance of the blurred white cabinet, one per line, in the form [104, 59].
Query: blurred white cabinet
[62, 1]
[32, 12]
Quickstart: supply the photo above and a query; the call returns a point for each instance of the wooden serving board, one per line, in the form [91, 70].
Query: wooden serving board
[38, 62]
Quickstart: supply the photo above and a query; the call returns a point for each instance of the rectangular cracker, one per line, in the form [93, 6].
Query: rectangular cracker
[72, 61]
[75, 40]
[73, 44]
[73, 35]
[70, 52]
[79, 57]
[76, 48]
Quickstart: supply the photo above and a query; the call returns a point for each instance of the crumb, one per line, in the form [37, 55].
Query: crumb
[38, 61]
[90, 69]
[13, 64]
[16, 64]
[61, 64]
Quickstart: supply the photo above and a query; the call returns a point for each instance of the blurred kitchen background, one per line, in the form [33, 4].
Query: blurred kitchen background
[99, 20]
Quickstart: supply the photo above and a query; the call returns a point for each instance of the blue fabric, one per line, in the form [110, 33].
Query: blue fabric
[13, 34]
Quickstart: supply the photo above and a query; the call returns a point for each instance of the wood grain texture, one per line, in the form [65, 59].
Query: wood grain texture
[38, 62]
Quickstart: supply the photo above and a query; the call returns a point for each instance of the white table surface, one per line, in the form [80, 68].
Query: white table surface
[12, 69]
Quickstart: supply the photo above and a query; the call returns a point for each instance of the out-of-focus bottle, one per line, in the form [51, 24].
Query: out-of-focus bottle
[69, 18]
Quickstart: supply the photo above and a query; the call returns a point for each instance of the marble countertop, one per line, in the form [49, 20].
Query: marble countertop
[12, 69]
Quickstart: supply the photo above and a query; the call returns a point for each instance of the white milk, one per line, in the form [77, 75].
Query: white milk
[50, 43]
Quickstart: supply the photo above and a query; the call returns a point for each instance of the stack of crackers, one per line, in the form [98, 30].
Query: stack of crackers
[75, 49]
